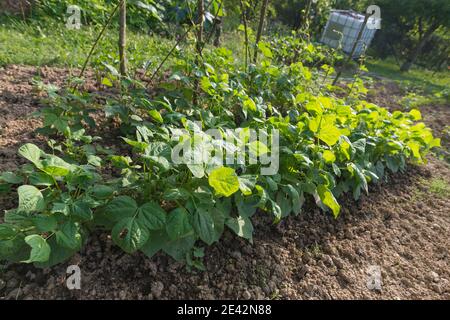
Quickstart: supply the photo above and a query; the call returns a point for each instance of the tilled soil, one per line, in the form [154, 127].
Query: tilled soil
[401, 228]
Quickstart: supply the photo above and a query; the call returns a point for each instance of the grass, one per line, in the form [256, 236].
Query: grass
[50, 43]
[55, 45]
[439, 187]
[417, 78]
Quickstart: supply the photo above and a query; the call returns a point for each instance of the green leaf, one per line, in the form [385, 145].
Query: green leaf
[416, 115]
[56, 167]
[297, 199]
[276, 210]
[315, 108]
[107, 82]
[178, 249]
[241, 226]
[360, 146]
[204, 226]
[329, 200]
[94, 160]
[102, 192]
[61, 125]
[415, 149]
[176, 194]
[264, 47]
[69, 236]
[218, 216]
[224, 181]
[247, 184]
[45, 223]
[258, 148]
[14, 249]
[41, 179]
[249, 104]
[178, 225]
[329, 156]
[30, 199]
[130, 234]
[156, 116]
[30, 152]
[60, 207]
[121, 207]
[152, 216]
[197, 170]
[346, 148]
[40, 250]
[356, 169]
[246, 205]
[10, 177]
[58, 254]
[155, 242]
[7, 231]
[285, 204]
[82, 211]
[329, 134]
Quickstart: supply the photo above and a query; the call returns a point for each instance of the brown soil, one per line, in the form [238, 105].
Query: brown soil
[402, 227]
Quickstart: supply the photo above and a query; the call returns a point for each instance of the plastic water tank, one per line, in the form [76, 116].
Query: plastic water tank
[343, 26]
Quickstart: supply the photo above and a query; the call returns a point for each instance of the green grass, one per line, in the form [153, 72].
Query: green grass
[50, 43]
[437, 186]
[416, 78]
[54, 45]
[440, 187]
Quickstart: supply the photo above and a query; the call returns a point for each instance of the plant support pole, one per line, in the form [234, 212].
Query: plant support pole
[172, 50]
[199, 46]
[123, 38]
[100, 35]
[358, 38]
[244, 21]
[262, 18]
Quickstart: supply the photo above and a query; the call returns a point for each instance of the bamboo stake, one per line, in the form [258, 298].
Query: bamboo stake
[97, 40]
[123, 38]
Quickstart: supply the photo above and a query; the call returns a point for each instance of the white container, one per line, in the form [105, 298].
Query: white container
[348, 24]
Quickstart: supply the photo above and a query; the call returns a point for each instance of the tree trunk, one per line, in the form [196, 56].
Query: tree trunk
[416, 52]
[123, 37]
[262, 18]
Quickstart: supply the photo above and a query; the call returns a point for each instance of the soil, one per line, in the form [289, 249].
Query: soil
[401, 229]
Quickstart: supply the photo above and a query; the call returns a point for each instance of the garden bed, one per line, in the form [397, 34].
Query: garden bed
[401, 226]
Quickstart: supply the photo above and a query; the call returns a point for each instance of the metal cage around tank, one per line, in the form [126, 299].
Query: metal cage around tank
[342, 31]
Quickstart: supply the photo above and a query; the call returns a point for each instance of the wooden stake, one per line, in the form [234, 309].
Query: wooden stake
[123, 38]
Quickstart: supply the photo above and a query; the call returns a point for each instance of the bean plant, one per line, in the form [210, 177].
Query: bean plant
[130, 187]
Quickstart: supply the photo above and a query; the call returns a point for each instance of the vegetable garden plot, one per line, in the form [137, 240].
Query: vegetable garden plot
[328, 146]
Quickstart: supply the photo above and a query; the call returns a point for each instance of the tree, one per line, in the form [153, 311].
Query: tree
[411, 24]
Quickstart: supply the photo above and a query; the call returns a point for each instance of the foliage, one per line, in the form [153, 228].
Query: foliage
[292, 48]
[142, 14]
[328, 146]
